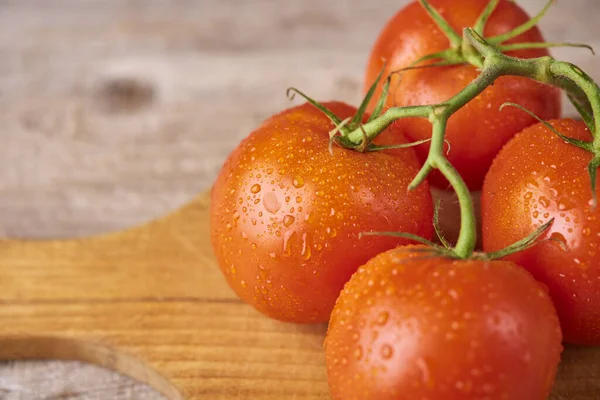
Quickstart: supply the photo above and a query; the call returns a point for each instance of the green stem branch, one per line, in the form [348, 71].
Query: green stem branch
[494, 64]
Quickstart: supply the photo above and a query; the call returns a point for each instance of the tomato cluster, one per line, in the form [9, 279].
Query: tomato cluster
[291, 206]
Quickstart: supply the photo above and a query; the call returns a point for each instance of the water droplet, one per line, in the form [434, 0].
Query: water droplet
[243, 283]
[233, 270]
[288, 220]
[562, 207]
[358, 353]
[536, 214]
[387, 352]
[298, 182]
[586, 231]
[528, 195]
[544, 201]
[332, 212]
[253, 245]
[255, 188]
[256, 201]
[272, 254]
[253, 220]
[243, 235]
[228, 226]
[382, 318]
[287, 245]
[271, 203]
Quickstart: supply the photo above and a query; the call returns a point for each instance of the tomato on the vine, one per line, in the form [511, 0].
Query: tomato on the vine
[286, 214]
[536, 177]
[413, 325]
[477, 131]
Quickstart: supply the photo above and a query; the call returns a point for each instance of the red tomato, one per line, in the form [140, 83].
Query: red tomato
[536, 177]
[409, 325]
[477, 131]
[286, 214]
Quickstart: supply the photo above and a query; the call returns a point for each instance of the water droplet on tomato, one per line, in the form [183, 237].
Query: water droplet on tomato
[298, 182]
[536, 214]
[306, 251]
[228, 226]
[387, 351]
[288, 220]
[382, 318]
[255, 188]
[287, 242]
[243, 283]
[586, 231]
[244, 235]
[358, 353]
[544, 201]
[271, 203]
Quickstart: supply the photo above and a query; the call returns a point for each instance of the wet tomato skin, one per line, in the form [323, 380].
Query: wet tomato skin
[411, 326]
[536, 177]
[477, 131]
[286, 214]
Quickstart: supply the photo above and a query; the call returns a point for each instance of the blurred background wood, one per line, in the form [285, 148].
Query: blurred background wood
[114, 112]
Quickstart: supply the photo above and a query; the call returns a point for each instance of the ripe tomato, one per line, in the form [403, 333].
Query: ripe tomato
[536, 177]
[286, 214]
[477, 131]
[414, 326]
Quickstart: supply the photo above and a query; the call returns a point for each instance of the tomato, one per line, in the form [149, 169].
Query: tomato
[286, 214]
[536, 177]
[477, 131]
[409, 325]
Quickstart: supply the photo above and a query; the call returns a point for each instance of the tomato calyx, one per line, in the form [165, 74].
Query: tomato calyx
[462, 52]
[340, 134]
[445, 248]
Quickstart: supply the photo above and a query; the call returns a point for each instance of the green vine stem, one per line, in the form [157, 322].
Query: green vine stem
[547, 70]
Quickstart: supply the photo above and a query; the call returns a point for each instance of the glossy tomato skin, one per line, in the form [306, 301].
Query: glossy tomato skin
[536, 177]
[411, 326]
[286, 214]
[477, 131]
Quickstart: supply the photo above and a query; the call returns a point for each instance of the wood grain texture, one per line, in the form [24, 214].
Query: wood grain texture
[150, 303]
[115, 112]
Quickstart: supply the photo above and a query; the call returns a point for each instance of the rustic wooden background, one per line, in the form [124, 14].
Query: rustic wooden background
[115, 112]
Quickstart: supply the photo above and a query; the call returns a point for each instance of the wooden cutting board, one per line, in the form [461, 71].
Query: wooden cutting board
[151, 303]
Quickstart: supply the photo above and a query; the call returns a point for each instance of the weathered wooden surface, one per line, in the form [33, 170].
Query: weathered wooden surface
[115, 112]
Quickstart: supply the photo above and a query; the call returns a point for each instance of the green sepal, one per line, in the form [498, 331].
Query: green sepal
[436, 225]
[521, 245]
[365, 103]
[499, 39]
[584, 113]
[587, 146]
[291, 93]
[373, 148]
[453, 37]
